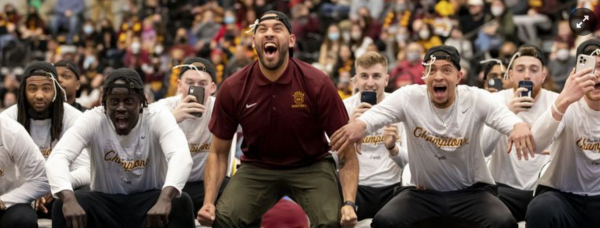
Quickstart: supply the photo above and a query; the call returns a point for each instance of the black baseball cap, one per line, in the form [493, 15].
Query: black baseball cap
[591, 45]
[450, 54]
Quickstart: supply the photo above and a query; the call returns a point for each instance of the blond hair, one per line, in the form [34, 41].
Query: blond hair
[370, 59]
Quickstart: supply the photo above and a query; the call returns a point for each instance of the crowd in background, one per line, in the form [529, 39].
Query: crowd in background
[153, 36]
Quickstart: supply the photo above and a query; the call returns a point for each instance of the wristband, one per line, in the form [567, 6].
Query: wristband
[556, 110]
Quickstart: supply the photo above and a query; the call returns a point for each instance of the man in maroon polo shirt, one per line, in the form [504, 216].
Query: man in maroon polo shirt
[285, 108]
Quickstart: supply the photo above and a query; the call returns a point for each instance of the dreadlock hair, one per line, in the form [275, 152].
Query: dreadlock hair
[133, 82]
[56, 108]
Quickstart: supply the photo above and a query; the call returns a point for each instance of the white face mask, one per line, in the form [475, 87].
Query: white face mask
[562, 54]
[497, 10]
[135, 47]
[356, 36]
[424, 34]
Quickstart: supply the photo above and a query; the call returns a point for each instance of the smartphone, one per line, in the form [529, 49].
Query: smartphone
[198, 92]
[584, 62]
[527, 85]
[495, 83]
[368, 97]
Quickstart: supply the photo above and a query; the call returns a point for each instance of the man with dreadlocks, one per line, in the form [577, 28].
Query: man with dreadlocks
[42, 110]
[568, 193]
[453, 184]
[195, 72]
[516, 179]
[140, 162]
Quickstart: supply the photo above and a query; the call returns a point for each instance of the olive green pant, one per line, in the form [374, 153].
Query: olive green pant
[252, 191]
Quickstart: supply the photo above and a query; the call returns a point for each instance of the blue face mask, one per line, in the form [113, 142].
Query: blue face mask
[334, 36]
[88, 29]
[229, 20]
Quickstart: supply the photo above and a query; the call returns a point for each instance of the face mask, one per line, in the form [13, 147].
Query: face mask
[424, 34]
[229, 20]
[400, 37]
[333, 36]
[412, 56]
[562, 54]
[88, 29]
[346, 36]
[497, 11]
[344, 80]
[356, 36]
[182, 40]
[158, 50]
[135, 47]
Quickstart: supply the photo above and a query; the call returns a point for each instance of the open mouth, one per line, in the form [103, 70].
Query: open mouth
[270, 50]
[439, 90]
[121, 122]
[597, 86]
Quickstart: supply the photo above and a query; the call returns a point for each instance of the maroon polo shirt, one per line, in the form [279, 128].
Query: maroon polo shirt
[285, 121]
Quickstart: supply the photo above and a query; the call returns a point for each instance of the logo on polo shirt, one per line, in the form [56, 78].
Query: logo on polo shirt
[298, 100]
[591, 148]
[195, 148]
[45, 151]
[112, 156]
[440, 142]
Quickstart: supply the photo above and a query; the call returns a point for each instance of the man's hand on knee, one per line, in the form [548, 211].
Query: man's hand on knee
[349, 218]
[206, 214]
[73, 212]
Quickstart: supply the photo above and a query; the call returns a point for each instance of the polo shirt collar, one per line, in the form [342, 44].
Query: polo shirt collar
[286, 77]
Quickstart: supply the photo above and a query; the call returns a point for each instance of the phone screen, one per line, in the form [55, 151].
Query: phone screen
[529, 86]
[495, 83]
[368, 97]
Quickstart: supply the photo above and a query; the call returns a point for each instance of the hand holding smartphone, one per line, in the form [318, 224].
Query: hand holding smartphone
[368, 97]
[584, 62]
[198, 92]
[529, 86]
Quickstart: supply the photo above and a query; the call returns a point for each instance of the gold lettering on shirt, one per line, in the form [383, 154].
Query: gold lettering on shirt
[373, 139]
[112, 156]
[298, 99]
[196, 148]
[440, 142]
[587, 144]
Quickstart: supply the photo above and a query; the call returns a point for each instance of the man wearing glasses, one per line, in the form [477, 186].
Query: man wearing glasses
[198, 72]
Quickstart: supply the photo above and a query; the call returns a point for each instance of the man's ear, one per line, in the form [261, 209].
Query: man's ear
[292, 41]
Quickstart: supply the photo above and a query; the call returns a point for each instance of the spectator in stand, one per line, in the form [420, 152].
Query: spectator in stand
[425, 36]
[32, 30]
[104, 7]
[330, 48]
[475, 19]
[464, 47]
[240, 60]
[564, 33]
[230, 27]
[204, 28]
[371, 25]
[504, 17]
[410, 69]
[358, 41]
[561, 63]
[70, 13]
[375, 8]
[345, 62]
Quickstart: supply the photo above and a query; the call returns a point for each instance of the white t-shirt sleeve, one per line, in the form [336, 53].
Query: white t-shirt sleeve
[80, 170]
[401, 159]
[175, 147]
[546, 129]
[67, 150]
[390, 110]
[496, 116]
[489, 140]
[30, 164]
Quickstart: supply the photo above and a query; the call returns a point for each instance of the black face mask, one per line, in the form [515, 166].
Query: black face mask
[182, 40]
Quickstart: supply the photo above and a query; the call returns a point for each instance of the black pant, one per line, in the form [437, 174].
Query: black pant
[476, 206]
[196, 191]
[49, 205]
[556, 209]
[515, 199]
[18, 216]
[127, 211]
[371, 199]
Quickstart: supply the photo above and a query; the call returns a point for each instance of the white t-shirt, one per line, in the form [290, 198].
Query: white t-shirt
[196, 132]
[152, 156]
[443, 158]
[22, 174]
[505, 167]
[39, 130]
[377, 168]
[575, 166]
